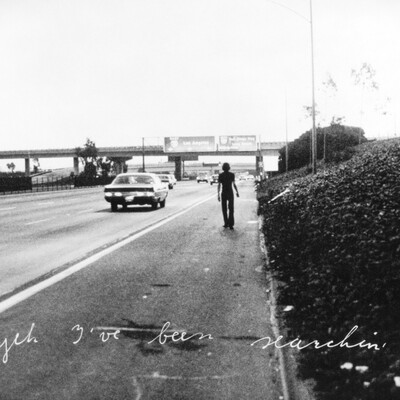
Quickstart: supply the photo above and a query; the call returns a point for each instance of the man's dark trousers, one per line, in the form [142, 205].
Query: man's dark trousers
[227, 205]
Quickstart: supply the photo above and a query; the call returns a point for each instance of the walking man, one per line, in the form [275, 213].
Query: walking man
[227, 180]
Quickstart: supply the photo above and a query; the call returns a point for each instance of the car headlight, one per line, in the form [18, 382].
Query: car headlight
[107, 194]
[118, 194]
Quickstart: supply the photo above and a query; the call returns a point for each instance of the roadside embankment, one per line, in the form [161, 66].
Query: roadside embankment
[333, 242]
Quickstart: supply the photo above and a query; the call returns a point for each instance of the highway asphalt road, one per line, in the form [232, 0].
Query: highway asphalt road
[44, 231]
[114, 328]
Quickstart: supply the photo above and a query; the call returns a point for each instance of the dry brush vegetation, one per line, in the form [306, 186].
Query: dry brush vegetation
[334, 245]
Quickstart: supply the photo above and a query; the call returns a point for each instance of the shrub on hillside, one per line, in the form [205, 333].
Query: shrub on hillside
[334, 243]
[338, 141]
[87, 181]
[11, 174]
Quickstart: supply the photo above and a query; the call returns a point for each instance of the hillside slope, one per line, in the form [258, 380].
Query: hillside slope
[334, 245]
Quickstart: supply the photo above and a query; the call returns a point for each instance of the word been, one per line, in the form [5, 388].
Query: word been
[176, 336]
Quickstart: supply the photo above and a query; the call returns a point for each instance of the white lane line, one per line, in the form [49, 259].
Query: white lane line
[39, 221]
[8, 209]
[29, 292]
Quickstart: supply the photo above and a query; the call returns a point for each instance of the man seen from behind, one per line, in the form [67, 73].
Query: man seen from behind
[226, 179]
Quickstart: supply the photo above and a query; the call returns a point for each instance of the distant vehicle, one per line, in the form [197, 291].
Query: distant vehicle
[167, 179]
[173, 179]
[136, 188]
[246, 177]
[203, 177]
[214, 179]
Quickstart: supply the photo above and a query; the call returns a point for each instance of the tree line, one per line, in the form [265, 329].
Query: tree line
[334, 143]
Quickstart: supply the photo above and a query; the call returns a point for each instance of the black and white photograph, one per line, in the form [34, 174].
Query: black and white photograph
[199, 200]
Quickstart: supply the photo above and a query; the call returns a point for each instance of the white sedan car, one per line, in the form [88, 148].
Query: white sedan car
[167, 179]
[136, 188]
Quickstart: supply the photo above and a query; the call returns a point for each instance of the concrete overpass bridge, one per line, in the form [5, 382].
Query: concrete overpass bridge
[119, 155]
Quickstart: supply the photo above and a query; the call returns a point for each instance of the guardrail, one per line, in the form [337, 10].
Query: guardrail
[17, 185]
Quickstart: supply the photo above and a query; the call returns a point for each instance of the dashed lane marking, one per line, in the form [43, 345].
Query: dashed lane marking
[8, 209]
[38, 221]
[84, 211]
[139, 392]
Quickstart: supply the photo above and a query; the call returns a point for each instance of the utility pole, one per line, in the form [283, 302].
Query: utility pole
[286, 129]
[314, 135]
[313, 144]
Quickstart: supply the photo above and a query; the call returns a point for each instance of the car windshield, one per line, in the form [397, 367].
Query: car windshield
[134, 179]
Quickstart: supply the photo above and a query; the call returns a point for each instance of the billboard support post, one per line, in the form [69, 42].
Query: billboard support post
[143, 166]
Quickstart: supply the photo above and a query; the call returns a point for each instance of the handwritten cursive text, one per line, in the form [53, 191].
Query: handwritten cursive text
[7, 346]
[297, 343]
[176, 336]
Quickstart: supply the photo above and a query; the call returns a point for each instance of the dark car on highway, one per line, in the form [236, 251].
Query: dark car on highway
[136, 188]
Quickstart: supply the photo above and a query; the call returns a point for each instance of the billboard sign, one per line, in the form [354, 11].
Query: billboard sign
[180, 144]
[237, 143]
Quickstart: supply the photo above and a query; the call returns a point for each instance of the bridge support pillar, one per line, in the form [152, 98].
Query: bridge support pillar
[178, 168]
[76, 165]
[119, 164]
[27, 167]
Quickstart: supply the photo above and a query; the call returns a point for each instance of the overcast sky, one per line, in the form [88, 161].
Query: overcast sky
[119, 70]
